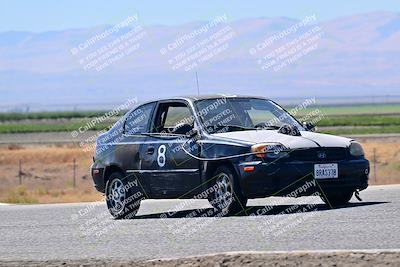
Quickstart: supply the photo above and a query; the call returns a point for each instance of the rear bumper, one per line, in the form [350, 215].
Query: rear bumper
[282, 178]
[98, 177]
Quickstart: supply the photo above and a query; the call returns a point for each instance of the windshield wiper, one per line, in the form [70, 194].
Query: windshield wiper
[266, 126]
[269, 127]
[230, 127]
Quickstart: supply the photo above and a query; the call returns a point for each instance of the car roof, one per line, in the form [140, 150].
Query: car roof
[193, 98]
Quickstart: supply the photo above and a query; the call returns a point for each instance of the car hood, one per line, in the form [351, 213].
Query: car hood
[306, 140]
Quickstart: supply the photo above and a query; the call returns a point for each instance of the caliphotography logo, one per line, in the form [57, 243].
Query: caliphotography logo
[178, 133]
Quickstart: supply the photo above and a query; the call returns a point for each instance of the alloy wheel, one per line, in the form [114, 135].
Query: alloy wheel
[223, 194]
[117, 195]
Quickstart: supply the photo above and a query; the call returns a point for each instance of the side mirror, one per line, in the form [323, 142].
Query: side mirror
[192, 133]
[309, 126]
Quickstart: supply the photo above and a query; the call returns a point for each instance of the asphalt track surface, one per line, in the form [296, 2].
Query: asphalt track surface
[86, 231]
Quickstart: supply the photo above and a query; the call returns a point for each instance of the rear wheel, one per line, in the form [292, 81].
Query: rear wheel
[226, 196]
[334, 199]
[122, 196]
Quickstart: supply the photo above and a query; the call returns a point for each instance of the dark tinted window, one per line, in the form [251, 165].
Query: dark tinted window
[139, 119]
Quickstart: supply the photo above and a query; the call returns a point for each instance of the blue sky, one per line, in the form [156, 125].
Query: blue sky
[45, 15]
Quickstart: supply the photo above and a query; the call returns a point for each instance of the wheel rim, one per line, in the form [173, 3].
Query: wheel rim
[223, 194]
[117, 196]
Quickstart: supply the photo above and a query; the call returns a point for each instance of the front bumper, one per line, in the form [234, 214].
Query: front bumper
[282, 178]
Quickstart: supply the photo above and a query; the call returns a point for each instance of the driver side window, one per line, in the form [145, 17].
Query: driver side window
[174, 118]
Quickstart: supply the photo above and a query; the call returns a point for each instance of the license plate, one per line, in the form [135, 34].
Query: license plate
[326, 171]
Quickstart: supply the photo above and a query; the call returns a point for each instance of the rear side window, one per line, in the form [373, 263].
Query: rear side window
[139, 119]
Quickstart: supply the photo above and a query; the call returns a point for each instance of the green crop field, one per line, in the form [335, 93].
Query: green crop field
[364, 120]
[359, 109]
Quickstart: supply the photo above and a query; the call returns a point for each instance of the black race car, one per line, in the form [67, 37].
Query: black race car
[223, 148]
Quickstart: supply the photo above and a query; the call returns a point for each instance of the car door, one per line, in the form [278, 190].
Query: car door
[171, 171]
[133, 146]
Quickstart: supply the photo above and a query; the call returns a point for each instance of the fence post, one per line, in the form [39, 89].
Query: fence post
[20, 172]
[374, 158]
[74, 173]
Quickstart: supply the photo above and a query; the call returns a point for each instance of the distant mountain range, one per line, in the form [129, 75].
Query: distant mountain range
[354, 55]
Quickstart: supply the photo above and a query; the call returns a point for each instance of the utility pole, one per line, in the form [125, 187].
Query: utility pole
[20, 172]
[74, 174]
[374, 151]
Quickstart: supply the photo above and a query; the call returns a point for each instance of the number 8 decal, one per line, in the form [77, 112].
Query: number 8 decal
[161, 155]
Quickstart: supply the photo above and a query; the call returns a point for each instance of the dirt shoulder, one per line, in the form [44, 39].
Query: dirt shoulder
[242, 259]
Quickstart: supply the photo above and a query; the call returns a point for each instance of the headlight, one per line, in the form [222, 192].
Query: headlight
[271, 150]
[356, 149]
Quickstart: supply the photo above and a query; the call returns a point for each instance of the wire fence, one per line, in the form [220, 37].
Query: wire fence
[71, 172]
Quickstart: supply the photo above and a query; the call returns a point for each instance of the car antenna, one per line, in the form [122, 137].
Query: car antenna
[197, 82]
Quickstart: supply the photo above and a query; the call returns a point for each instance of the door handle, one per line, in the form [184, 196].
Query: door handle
[150, 150]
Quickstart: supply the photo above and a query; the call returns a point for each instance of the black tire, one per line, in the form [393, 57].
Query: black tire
[226, 196]
[335, 199]
[123, 196]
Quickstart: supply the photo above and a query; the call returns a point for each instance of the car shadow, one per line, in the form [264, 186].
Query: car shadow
[254, 210]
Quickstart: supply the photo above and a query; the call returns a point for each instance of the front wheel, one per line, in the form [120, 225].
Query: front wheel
[122, 196]
[334, 199]
[226, 196]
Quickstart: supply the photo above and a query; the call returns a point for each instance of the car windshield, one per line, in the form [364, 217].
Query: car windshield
[238, 114]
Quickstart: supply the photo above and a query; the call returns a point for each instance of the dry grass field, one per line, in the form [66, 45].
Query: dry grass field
[47, 174]
[387, 159]
[47, 171]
